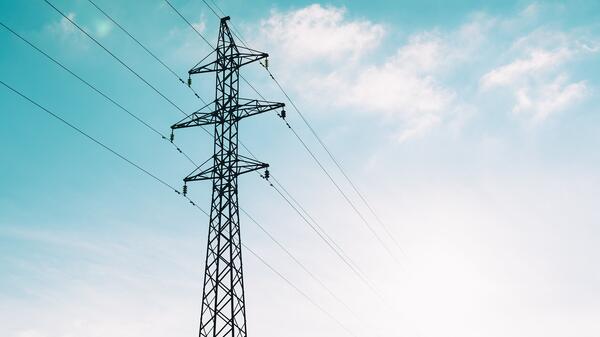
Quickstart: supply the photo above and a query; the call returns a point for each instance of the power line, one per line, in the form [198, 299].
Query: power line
[107, 96]
[300, 264]
[163, 137]
[344, 195]
[329, 244]
[337, 186]
[164, 183]
[235, 31]
[95, 140]
[345, 260]
[114, 56]
[305, 120]
[335, 161]
[189, 23]
[178, 149]
[94, 88]
[311, 218]
[147, 50]
[299, 290]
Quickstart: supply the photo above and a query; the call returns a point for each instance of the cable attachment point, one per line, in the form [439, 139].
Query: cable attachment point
[189, 81]
[267, 174]
[172, 137]
[282, 114]
[267, 63]
[184, 189]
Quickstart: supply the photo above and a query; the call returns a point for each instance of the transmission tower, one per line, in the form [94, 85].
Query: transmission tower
[223, 311]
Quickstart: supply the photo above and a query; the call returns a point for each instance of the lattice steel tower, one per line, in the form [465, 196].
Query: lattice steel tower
[223, 310]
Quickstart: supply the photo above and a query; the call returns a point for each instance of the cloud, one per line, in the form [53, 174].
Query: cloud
[537, 77]
[404, 84]
[335, 52]
[63, 28]
[317, 32]
[536, 62]
[435, 78]
[67, 33]
[542, 101]
[200, 26]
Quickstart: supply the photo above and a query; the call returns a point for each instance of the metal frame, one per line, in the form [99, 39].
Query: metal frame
[223, 307]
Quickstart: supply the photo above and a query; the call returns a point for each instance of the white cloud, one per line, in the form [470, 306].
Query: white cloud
[405, 84]
[405, 88]
[333, 62]
[531, 10]
[200, 26]
[317, 32]
[537, 61]
[63, 28]
[540, 102]
[537, 76]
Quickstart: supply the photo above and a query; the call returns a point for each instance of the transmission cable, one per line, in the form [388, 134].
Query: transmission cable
[165, 138]
[301, 265]
[308, 298]
[313, 276]
[329, 244]
[239, 35]
[94, 88]
[344, 195]
[164, 183]
[246, 148]
[115, 57]
[336, 162]
[123, 64]
[235, 32]
[147, 50]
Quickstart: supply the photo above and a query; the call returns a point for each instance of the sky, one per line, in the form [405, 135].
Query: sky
[471, 128]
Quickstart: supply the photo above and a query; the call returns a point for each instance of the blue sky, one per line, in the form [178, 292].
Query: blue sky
[472, 129]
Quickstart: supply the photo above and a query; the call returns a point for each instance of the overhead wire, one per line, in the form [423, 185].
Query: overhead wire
[338, 253]
[329, 244]
[66, 17]
[147, 125]
[299, 291]
[171, 187]
[321, 142]
[98, 91]
[146, 49]
[120, 61]
[85, 134]
[235, 32]
[300, 264]
[336, 162]
[344, 195]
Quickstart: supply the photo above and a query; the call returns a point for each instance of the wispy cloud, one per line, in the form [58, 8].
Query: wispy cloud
[538, 75]
[63, 28]
[405, 87]
[320, 33]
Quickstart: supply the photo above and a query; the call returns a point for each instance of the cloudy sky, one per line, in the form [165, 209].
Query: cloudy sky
[471, 128]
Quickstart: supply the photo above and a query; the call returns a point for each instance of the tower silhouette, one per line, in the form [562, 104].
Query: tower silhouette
[223, 308]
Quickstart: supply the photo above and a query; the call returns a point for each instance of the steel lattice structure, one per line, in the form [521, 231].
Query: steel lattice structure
[223, 308]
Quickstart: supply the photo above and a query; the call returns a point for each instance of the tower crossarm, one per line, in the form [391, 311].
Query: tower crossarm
[251, 107]
[196, 119]
[244, 108]
[242, 165]
[246, 56]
